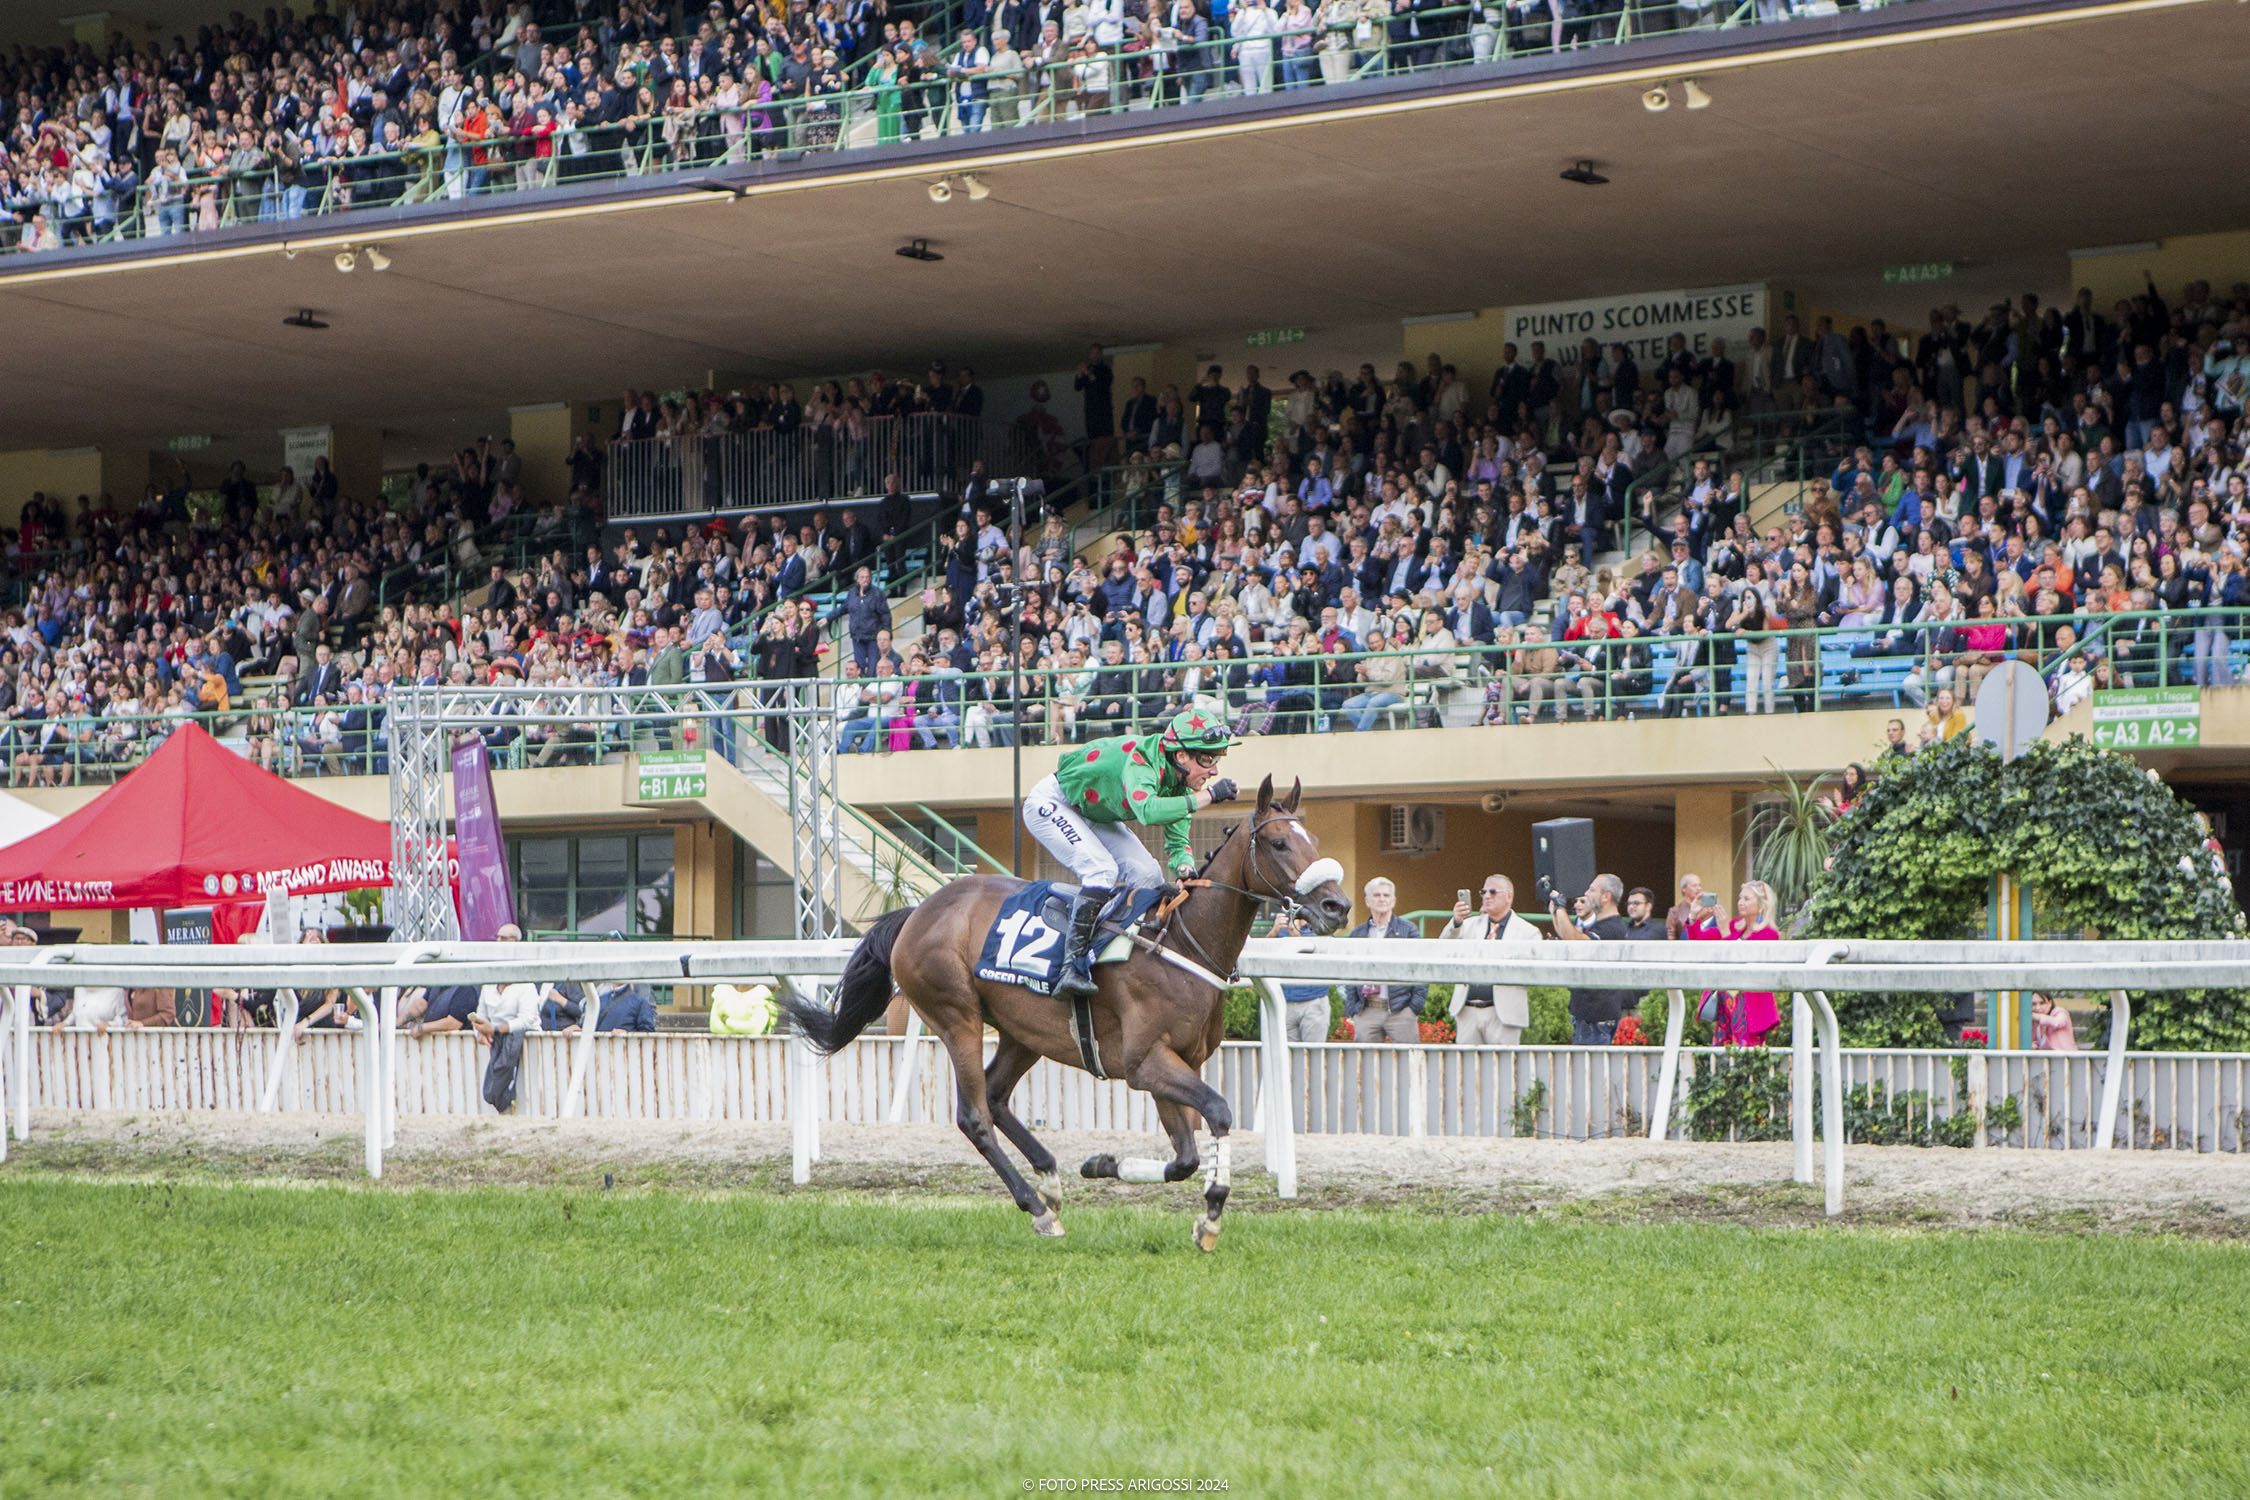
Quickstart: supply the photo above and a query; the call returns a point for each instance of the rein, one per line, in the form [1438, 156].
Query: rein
[1202, 878]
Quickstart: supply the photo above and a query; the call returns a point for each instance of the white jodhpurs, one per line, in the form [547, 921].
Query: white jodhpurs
[1106, 855]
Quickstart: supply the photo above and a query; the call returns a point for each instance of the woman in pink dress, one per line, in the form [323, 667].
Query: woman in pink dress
[2051, 1029]
[1745, 1016]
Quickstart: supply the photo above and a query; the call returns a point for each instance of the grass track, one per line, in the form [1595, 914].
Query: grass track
[200, 1338]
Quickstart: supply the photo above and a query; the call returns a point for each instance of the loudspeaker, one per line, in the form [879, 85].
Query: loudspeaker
[1562, 858]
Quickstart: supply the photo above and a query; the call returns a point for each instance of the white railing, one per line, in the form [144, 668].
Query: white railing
[2175, 1100]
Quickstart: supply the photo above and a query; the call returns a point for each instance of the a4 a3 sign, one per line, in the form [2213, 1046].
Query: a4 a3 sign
[2148, 718]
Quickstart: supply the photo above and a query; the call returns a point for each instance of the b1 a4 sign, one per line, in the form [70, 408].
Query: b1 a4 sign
[674, 776]
[2148, 718]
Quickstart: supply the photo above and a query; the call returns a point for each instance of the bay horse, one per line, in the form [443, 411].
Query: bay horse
[1155, 1024]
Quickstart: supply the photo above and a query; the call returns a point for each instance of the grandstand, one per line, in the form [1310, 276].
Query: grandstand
[776, 435]
[686, 335]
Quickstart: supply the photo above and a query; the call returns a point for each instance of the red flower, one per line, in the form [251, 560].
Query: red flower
[1975, 1036]
[1629, 1033]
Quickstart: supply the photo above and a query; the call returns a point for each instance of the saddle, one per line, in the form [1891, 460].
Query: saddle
[1032, 928]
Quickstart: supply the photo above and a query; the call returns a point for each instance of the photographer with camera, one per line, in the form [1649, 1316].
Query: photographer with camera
[1594, 1014]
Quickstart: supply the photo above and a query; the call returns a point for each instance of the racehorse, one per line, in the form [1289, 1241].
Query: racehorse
[1155, 1021]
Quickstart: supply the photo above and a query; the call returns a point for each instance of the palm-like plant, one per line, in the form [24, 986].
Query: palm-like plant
[1787, 840]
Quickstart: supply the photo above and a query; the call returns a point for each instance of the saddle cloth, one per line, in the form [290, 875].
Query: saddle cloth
[1032, 929]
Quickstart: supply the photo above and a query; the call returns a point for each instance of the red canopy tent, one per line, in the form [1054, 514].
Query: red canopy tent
[194, 824]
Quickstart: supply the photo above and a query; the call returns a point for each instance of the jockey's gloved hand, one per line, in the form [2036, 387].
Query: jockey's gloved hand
[1221, 790]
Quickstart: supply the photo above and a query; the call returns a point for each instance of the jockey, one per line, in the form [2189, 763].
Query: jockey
[1078, 814]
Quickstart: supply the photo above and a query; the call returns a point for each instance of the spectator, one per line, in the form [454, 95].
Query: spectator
[1594, 1013]
[625, 1006]
[2051, 1028]
[1488, 1015]
[1641, 922]
[1378, 1012]
[1740, 1018]
[1685, 910]
[1306, 1008]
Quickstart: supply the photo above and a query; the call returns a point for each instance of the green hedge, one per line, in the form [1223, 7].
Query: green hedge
[2107, 849]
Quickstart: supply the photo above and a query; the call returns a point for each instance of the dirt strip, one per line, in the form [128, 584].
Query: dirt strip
[1629, 1180]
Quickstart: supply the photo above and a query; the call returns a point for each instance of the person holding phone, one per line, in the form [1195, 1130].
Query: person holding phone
[1739, 1018]
[1490, 1015]
[1594, 1014]
[1677, 919]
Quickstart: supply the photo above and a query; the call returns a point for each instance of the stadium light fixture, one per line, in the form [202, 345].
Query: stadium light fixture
[919, 250]
[1584, 174]
[1655, 100]
[941, 191]
[1693, 91]
[346, 261]
[376, 259]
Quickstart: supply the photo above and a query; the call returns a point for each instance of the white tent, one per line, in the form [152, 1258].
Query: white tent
[20, 820]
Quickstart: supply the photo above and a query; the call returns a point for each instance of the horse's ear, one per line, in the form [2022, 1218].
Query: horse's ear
[1296, 794]
[1265, 794]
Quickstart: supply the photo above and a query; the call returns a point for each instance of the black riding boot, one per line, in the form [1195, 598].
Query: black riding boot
[1078, 958]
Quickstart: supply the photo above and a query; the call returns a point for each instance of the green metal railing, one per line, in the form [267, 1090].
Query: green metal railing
[1458, 684]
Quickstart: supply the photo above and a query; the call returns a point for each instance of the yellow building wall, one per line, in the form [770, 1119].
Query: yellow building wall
[61, 473]
[1471, 347]
[2221, 259]
[542, 436]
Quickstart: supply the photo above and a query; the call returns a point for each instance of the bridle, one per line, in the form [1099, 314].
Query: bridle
[1202, 876]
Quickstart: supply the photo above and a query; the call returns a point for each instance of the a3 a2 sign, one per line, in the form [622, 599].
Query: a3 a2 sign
[2148, 718]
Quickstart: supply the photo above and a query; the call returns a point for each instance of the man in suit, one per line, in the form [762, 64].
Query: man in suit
[1792, 358]
[1138, 418]
[1470, 619]
[1380, 1012]
[1486, 1015]
[320, 679]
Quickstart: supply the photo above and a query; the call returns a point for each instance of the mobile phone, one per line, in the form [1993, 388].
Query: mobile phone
[1710, 898]
[1461, 898]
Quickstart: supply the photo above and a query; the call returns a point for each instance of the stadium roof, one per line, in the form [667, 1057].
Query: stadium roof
[1998, 149]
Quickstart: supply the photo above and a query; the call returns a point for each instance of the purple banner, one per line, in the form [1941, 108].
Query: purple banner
[488, 900]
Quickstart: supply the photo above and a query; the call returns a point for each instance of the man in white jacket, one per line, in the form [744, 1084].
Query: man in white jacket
[1487, 1015]
[505, 1015]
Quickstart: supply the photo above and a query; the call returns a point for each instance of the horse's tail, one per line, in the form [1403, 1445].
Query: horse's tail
[862, 995]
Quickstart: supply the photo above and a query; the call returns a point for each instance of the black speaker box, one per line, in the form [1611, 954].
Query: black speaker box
[1562, 857]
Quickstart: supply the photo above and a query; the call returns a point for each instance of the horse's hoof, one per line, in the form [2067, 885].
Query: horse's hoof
[1045, 1224]
[1101, 1166]
[1206, 1235]
[1050, 1190]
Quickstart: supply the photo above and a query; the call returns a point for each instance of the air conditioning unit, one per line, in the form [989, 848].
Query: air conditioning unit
[1414, 830]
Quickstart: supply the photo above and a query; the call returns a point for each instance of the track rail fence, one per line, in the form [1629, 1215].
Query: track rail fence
[2035, 1101]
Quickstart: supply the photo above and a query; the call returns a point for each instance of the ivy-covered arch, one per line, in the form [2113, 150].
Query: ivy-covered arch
[2106, 848]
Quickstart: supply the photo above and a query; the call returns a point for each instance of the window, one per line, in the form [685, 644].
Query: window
[764, 896]
[597, 883]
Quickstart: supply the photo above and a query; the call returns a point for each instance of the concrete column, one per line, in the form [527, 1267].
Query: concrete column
[356, 454]
[542, 435]
[125, 475]
[1703, 840]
